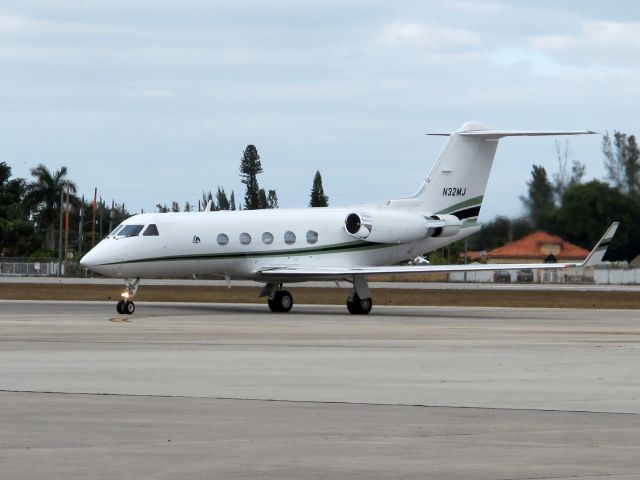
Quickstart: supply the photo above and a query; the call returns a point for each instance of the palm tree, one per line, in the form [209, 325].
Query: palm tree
[43, 198]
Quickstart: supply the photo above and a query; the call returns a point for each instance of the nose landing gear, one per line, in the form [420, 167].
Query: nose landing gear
[126, 305]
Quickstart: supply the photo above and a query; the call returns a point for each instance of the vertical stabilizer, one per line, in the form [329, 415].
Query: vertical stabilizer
[457, 182]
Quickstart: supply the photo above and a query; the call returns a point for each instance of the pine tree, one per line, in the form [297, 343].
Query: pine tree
[622, 162]
[262, 200]
[175, 207]
[206, 197]
[318, 198]
[250, 167]
[539, 201]
[222, 200]
[272, 199]
[232, 201]
[632, 166]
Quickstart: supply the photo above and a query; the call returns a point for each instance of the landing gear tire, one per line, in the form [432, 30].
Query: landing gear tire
[359, 306]
[119, 307]
[282, 301]
[128, 307]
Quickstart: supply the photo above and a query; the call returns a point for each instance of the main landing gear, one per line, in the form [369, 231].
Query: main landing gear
[282, 301]
[278, 300]
[358, 303]
[126, 305]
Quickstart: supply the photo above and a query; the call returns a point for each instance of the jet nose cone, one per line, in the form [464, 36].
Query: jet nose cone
[86, 261]
[100, 259]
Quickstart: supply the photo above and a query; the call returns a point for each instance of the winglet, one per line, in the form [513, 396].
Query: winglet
[596, 255]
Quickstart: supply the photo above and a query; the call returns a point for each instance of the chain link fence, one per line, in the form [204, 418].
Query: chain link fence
[48, 267]
[38, 267]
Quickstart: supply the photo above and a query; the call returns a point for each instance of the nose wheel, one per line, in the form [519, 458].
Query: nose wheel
[126, 305]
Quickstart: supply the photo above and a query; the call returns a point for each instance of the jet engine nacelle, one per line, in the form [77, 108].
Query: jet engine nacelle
[443, 225]
[386, 226]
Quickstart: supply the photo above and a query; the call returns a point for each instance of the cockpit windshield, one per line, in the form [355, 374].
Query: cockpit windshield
[115, 231]
[130, 231]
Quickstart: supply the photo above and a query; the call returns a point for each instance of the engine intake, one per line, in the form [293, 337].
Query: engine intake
[358, 225]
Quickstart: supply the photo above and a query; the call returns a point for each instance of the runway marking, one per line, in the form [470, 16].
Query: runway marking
[586, 475]
[120, 320]
[320, 402]
[205, 344]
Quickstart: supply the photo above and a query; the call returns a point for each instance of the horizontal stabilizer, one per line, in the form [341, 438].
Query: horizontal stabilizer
[516, 133]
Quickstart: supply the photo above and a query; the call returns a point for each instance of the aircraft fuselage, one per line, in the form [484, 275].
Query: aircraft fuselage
[239, 244]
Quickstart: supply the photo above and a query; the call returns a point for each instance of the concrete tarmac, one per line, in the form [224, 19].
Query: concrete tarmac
[234, 391]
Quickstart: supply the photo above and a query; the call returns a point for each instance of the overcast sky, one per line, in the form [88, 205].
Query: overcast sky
[153, 101]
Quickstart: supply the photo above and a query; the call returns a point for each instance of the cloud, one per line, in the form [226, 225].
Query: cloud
[184, 86]
[11, 24]
[428, 36]
[601, 40]
[475, 7]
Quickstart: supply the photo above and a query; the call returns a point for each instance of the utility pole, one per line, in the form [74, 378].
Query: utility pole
[80, 226]
[60, 233]
[101, 211]
[466, 253]
[111, 215]
[66, 233]
[93, 223]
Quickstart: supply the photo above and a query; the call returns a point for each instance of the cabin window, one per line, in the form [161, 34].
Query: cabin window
[151, 231]
[245, 238]
[223, 239]
[289, 237]
[267, 238]
[130, 231]
[312, 236]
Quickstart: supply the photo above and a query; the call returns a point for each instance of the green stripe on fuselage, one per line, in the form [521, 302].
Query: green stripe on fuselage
[341, 247]
[323, 250]
[472, 202]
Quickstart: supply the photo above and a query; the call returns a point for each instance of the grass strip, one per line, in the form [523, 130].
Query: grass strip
[332, 296]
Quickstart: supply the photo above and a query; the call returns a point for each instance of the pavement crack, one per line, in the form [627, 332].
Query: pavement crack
[319, 402]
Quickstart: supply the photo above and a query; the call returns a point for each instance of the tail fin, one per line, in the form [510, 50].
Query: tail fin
[597, 254]
[457, 181]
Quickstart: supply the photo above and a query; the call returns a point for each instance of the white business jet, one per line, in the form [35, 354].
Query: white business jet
[285, 246]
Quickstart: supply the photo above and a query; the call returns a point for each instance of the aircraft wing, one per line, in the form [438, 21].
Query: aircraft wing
[300, 272]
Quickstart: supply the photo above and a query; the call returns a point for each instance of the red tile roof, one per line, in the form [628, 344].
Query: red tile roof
[531, 247]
